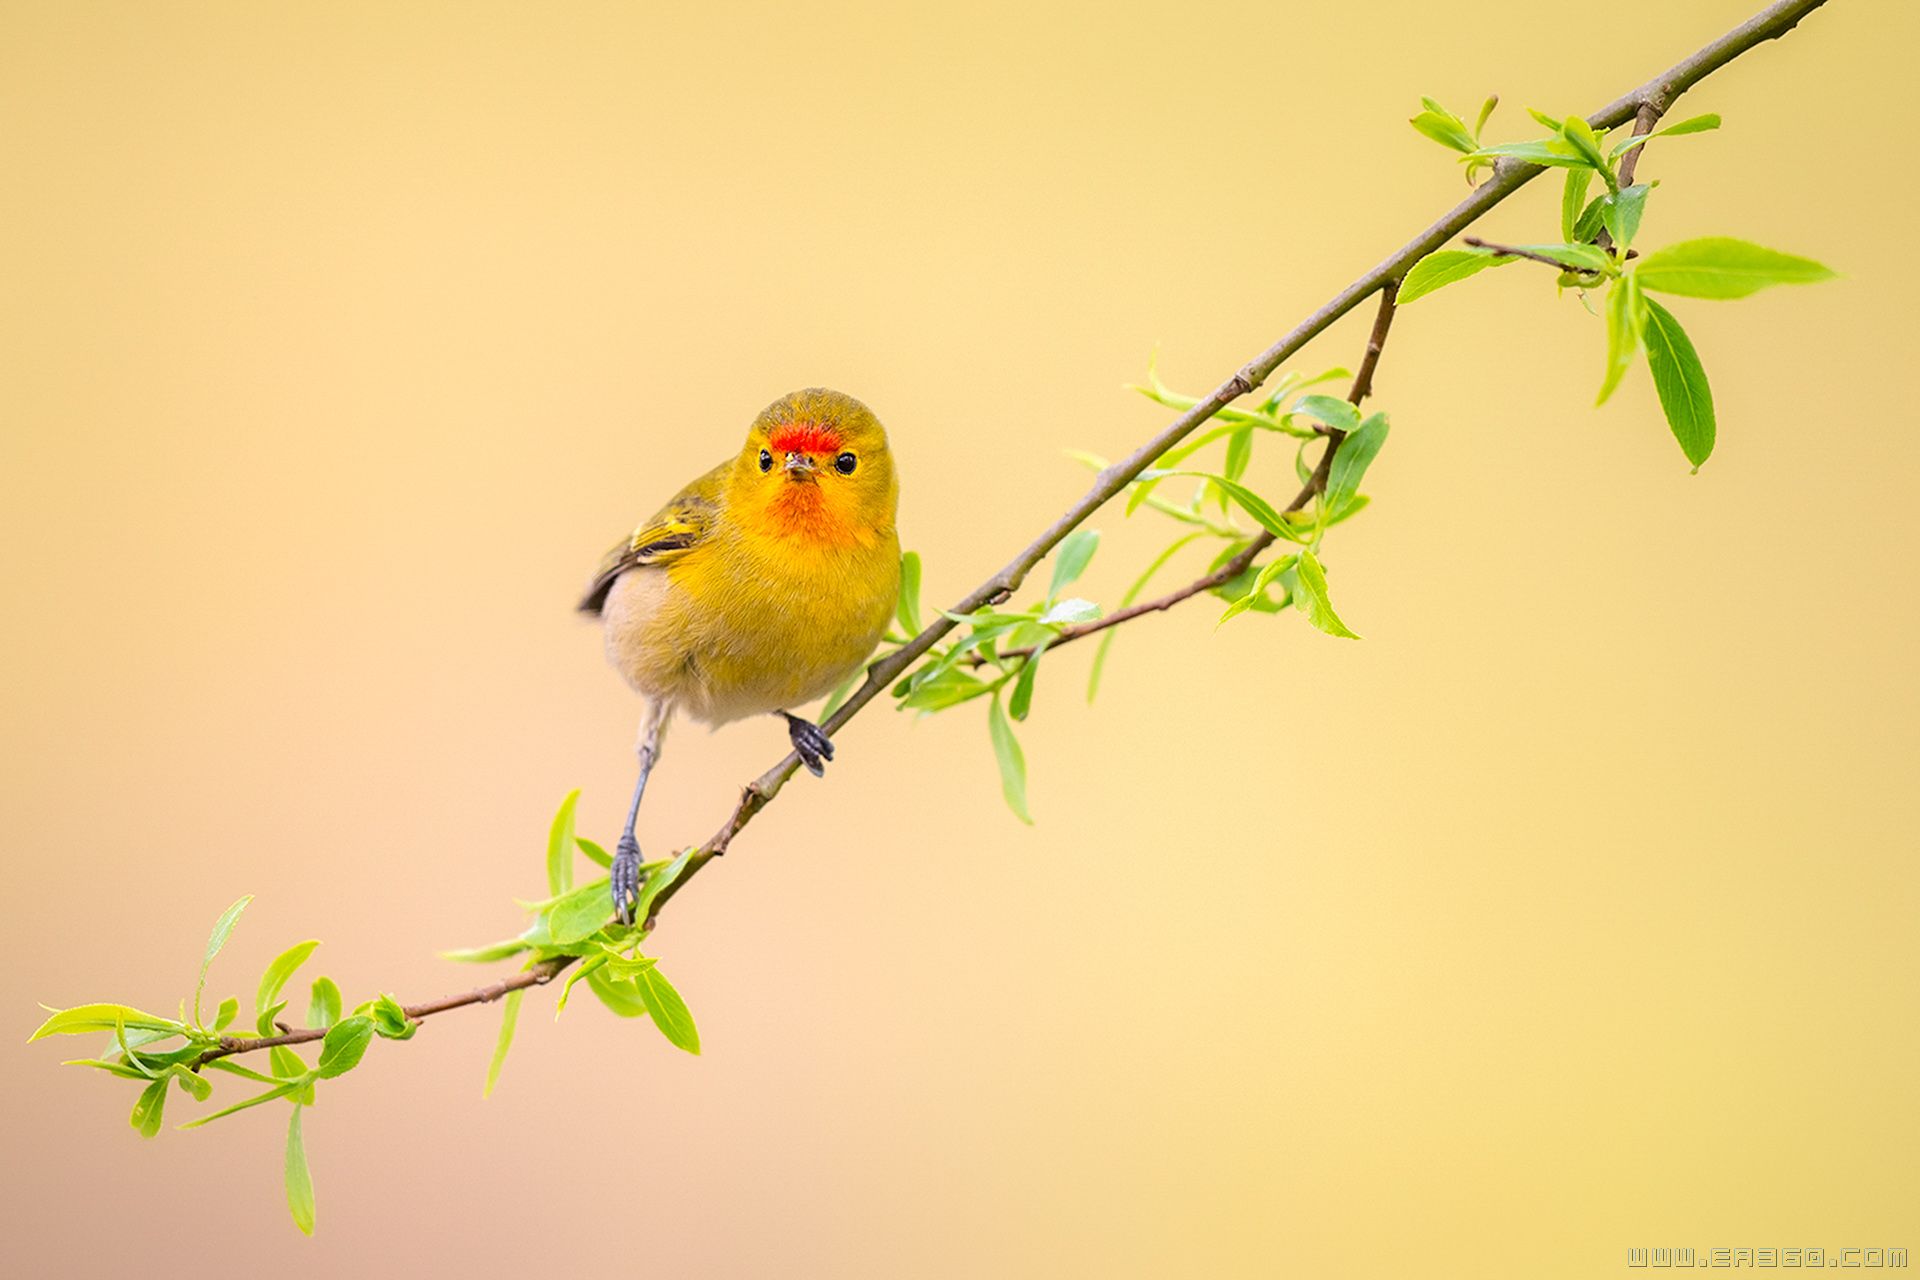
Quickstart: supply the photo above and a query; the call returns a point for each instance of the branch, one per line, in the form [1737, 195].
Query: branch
[1241, 562]
[1643, 105]
[1643, 122]
[535, 975]
[1508, 177]
[1515, 251]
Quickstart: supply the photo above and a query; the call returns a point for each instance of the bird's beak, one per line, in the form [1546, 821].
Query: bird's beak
[800, 466]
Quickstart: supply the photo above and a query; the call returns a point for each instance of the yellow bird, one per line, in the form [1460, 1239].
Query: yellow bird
[758, 588]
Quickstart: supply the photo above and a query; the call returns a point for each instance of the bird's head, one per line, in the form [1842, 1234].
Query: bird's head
[816, 466]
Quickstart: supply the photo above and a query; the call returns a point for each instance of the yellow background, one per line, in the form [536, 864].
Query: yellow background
[1571, 910]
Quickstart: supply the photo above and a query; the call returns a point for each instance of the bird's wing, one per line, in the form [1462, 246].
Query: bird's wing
[671, 532]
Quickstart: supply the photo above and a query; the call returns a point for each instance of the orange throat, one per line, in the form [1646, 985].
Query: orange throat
[802, 511]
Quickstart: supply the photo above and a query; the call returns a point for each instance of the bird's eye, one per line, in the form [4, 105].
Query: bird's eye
[766, 460]
[845, 464]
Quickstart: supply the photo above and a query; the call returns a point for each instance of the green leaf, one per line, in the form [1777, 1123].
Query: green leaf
[140, 1036]
[619, 965]
[345, 1045]
[266, 1022]
[597, 855]
[1022, 698]
[1313, 599]
[907, 605]
[1681, 382]
[288, 1065]
[148, 1108]
[488, 954]
[1332, 410]
[127, 1055]
[1573, 198]
[585, 969]
[560, 846]
[1141, 494]
[150, 1063]
[233, 1068]
[1070, 559]
[1443, 127]
[669, 1011]
[1697, 124]
[1239, 584]
[1541, 117]
[222, 930]
[1637, 140]
[229, 1010]
[1142, 489]
[1445, 267]
[1553, 152]
[1066, 613]
[658, 882]
[948, 689]
[1588, 226]
[299, 1177]
[509, 1018]
[119, 1069]
[259, 1099]
[581, 913]
[323, 1009]
[1626, 318]
[941, 663]
[1579, 134]
[1351, 460]
[1721, 267]
[390, 1021]
[200, 1087]
[1257, 592]
[1157, 391]
[1621, 211]
[1288, 383]
[1486, 110]
[1239, 452]
[283, 967]
[619, 995]
[84, 1018]
[1254, 505]
[946, 661]
[1013, 762]
[983, 618]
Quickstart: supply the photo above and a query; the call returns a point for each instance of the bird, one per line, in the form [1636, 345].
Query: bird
[760, 586]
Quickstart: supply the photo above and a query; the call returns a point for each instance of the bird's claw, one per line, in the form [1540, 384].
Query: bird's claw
[812, 744]
[625, 876]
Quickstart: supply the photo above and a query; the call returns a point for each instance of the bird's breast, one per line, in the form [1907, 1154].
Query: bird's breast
[757, 626]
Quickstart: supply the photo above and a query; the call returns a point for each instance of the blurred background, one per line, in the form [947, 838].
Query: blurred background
[1572, 910]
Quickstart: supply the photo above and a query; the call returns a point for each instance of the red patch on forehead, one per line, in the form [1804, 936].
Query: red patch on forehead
[804, 437]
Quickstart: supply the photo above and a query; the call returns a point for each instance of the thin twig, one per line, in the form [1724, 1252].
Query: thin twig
[1656, 95]
[534, 975]
[1515, 251]
[1643, 122]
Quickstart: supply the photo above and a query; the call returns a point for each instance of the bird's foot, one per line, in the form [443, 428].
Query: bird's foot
[625, 874]
[811, 742]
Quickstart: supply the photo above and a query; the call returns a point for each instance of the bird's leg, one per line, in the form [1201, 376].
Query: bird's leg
[810, 741]
[625, 872]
